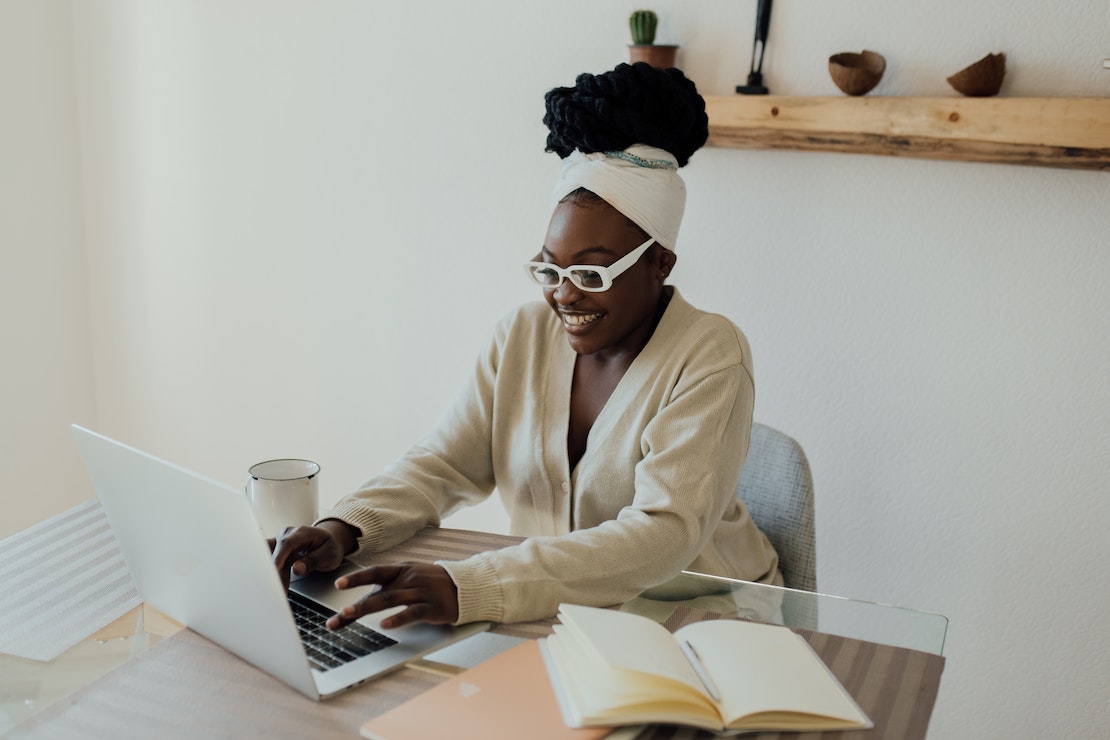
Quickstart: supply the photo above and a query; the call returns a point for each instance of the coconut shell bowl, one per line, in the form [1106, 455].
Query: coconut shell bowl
[856, 73]
[982, 79]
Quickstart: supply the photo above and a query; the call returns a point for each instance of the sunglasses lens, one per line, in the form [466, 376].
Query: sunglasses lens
[588, 279]
[544, 275]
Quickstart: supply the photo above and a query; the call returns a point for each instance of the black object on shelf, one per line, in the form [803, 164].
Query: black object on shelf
[755, 76]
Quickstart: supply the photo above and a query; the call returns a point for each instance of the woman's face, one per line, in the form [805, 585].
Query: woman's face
[621, 319]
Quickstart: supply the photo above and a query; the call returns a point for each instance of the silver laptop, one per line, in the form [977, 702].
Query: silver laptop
[195, 552]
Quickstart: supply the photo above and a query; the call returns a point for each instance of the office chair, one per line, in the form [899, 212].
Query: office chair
[777, 488]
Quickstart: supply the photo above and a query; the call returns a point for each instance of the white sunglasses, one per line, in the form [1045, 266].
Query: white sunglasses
[591, 278]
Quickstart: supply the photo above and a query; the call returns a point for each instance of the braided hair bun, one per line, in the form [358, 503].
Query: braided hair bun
[632, 104]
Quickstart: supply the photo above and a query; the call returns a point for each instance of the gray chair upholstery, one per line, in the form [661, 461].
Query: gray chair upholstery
[777, 488]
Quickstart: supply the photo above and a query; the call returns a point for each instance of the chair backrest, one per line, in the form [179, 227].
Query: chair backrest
[777, 488]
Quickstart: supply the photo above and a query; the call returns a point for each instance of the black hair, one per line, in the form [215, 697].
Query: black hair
[631, 104]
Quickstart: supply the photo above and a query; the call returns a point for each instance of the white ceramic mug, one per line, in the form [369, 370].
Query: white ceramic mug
[283, 493]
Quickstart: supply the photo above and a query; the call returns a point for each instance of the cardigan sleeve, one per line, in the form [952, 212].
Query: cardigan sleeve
[449, 468]
[684, 484]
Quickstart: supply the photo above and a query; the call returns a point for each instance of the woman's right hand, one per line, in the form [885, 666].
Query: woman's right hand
[301, 550]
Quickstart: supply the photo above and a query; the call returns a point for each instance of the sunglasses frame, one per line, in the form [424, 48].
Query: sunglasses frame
[607, 274]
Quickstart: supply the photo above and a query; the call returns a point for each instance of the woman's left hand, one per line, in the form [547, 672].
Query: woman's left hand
[427, 590]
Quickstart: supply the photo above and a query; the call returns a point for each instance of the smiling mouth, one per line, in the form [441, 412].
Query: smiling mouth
[576, 320]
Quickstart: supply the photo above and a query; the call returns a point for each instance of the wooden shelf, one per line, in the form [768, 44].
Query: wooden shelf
[1050, 132]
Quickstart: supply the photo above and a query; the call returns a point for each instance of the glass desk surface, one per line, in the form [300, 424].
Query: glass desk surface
[836, 615]
[28, 686]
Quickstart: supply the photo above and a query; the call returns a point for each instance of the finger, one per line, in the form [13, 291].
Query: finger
[349, 614]
[306, 562]
[288, 552]
[421, 612]
[375, 574]
[375, 601]
[285, 547]
[281, 561]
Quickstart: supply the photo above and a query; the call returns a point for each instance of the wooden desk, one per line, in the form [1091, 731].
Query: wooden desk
[185, 686]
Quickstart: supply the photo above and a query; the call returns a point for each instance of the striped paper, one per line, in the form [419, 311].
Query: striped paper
[64, 579]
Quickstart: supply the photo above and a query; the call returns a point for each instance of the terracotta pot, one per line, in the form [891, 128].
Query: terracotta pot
[657, 55]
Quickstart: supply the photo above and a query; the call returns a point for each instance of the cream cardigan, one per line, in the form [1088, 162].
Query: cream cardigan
[654, 493]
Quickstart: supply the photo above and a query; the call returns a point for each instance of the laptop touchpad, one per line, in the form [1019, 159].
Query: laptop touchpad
[321, 587]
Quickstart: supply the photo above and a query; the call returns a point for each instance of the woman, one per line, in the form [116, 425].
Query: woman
[612, 420]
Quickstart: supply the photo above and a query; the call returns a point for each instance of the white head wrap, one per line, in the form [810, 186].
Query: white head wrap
[642, 182]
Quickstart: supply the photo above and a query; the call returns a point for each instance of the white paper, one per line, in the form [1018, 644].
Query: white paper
[62, 580]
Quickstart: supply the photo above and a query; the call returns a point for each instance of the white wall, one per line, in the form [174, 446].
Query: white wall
[302, 220]
[46, 379]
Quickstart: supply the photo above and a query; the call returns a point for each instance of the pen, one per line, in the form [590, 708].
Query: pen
[699, 668]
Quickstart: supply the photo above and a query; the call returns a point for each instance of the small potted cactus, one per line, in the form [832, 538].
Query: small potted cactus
[643, 48]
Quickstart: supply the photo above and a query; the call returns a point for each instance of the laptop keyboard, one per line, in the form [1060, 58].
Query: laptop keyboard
[327, 648]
